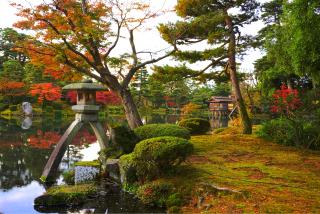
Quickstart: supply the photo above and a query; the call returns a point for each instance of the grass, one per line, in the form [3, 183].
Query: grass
[271, 177]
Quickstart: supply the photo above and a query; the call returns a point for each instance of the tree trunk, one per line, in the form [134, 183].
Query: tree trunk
[130, 109]
[246, 122]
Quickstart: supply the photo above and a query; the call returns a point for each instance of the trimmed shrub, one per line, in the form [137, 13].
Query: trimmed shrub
[195, 125]
[128, 171]
[155, 193]
[278, 130]
[156, 156]
[123, 137]
[158, 130]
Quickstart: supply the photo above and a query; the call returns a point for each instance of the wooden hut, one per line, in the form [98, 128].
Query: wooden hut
[221, 106]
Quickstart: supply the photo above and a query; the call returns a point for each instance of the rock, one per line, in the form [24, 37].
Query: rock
[112, 167]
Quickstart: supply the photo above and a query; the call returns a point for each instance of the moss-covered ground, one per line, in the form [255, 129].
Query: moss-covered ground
[271, 178]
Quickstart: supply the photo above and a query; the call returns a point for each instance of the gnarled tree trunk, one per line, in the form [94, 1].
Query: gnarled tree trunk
[246, 122]
[130, 108]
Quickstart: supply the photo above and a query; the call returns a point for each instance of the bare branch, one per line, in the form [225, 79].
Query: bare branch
[133, 48]
[133, 70]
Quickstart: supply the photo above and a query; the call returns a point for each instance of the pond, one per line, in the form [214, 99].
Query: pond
[25, 146]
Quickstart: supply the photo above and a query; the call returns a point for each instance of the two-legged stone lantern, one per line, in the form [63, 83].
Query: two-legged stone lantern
[86, 112]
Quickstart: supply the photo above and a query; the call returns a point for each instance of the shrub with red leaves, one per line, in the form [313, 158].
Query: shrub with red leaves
[285, 100]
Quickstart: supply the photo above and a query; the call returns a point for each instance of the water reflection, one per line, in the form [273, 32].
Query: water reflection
[24, 153]
[25, 146]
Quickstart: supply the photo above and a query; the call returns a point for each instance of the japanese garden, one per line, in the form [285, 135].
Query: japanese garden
[173, 106]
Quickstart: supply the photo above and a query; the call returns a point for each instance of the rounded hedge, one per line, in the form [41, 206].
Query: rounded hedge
[158, 155]
[123, 137]
[159, 130]
[195, 125]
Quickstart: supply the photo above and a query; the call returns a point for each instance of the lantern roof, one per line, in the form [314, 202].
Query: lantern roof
[85, 85]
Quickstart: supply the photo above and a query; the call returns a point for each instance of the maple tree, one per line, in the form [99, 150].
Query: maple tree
[102, 97]
[45, 91]
[285, 100]
[79, 36]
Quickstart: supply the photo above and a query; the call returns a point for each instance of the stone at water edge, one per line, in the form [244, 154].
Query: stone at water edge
[112, 167]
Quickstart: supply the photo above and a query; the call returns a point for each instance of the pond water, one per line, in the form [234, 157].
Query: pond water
[25, 146]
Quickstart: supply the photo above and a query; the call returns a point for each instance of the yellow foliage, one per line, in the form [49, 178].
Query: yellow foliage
[189, 109]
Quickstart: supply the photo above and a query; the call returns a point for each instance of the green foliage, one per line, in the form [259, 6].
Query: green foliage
[128, 170]
[68, 177]
[278, 130]
[293, 132]
[12, 70]
[124, 138]
[8, 39]
[159, 155]
[155, 193]
[3, 106]
[13, 108]
[157, 130]
[195, 125]
[303, 37]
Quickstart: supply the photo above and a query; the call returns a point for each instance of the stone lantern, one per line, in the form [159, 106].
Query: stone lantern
[86, 112]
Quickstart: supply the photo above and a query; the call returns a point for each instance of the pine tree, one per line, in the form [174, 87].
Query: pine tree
[213, 22]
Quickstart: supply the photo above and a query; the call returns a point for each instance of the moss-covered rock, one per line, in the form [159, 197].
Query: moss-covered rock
[128, 171]
[67, 195]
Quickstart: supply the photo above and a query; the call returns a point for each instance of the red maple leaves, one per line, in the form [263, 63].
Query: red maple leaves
[12, 88]
[102, 97]
[45, 91]
[285, 100]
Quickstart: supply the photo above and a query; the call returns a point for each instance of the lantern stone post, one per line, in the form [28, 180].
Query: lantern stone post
[86, 112]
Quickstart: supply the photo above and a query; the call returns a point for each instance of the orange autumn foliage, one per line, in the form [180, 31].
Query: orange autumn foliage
[73, 36]
[12, 88]
[45, 91]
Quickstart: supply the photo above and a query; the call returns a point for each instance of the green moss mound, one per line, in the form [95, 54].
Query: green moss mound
[66, 195]
[158, 130]
[154, 157]
[195, 125]
[155, 193]
[95, 163]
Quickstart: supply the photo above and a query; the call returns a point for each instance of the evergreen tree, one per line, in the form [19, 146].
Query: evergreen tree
[212, 21]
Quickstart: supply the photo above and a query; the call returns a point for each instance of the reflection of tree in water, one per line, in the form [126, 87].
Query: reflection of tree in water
[161, 118]
[20, 165]
[24, 153]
